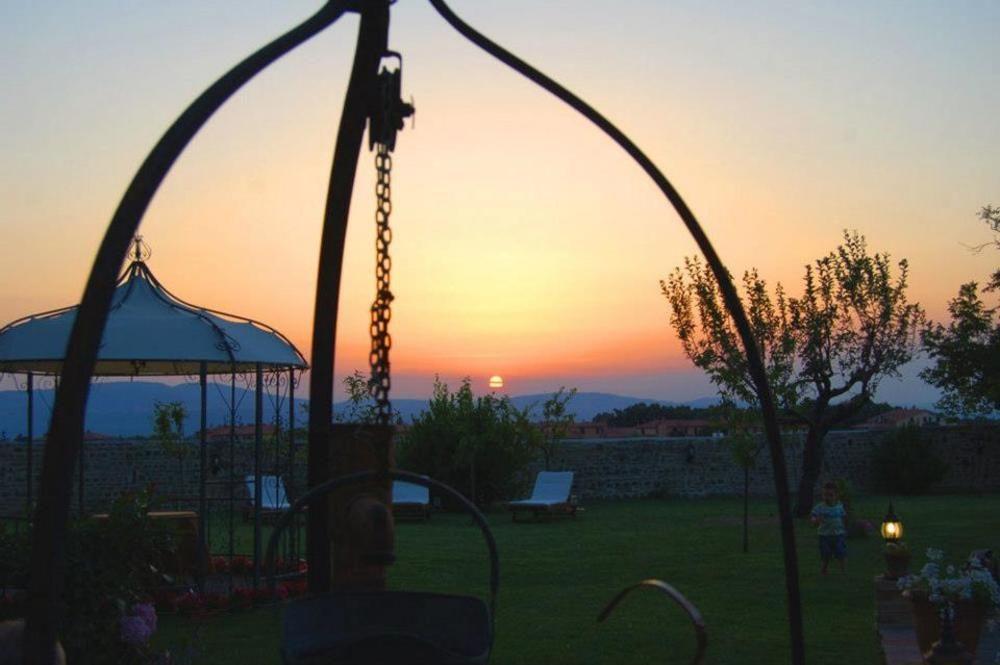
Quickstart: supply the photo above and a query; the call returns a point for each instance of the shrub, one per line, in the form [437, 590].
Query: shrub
[906, 464]
[478, 445]
[112, 567]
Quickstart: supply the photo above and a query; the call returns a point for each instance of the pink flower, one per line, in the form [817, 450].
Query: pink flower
[147, 613]
[135, 630]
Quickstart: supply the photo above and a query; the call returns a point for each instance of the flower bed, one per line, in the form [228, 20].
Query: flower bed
[192, 603]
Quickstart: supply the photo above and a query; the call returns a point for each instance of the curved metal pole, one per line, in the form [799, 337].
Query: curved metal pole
[29, 443]
[48, 559]
[232, 474]
[81, 479]
[372, 38]
[731, 298]
[258, 436]
[290, 481]
[203, 549]
[700, 633]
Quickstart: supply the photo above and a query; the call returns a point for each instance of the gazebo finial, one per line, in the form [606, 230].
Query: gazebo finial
[141, 250]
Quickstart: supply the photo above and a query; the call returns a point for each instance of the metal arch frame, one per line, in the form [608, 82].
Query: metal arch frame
[48, 559]
[731, 298]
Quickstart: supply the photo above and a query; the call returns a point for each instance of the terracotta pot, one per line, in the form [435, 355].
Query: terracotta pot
[969, 619]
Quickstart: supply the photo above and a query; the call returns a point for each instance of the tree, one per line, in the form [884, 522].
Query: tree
[555, 423]
[360, 405]
[991, 217]
[745, 447]
[966, 353]
[825, 352]
[168, 428]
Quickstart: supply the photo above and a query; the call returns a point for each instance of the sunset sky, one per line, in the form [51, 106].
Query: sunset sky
[525, 243]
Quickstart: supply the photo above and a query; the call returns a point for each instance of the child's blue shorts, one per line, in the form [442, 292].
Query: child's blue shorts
[833, 547]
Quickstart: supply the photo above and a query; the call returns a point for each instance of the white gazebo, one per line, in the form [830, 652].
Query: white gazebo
[151, 332]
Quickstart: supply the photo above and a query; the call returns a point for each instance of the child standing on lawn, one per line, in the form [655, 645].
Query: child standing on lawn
[828, 516]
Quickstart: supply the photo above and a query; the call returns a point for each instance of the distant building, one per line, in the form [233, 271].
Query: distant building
[676, 428]
[619, 432]
[900, 418]
[586, 431]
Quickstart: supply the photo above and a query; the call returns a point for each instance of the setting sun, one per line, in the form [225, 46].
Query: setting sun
[496, 382]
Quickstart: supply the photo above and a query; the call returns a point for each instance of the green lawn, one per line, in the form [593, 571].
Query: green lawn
[555, 578]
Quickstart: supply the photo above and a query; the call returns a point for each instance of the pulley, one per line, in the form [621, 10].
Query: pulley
[389, 113]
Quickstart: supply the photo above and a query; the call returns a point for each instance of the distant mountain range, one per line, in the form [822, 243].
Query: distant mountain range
[124, 408]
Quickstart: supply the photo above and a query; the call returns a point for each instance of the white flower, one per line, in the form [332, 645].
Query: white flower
[970, 581]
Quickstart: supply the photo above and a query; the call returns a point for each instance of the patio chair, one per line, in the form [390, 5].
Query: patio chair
[551, 496]
[410, 501]
[273, 497]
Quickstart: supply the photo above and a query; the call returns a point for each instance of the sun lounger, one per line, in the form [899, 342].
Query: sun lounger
[273, 498]
[550, 496]
[410, 501]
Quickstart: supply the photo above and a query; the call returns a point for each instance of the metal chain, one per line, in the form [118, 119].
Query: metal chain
[381, 311]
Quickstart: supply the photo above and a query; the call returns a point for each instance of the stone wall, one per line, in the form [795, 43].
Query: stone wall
[605, 468]
[691, 467]
[113, 466]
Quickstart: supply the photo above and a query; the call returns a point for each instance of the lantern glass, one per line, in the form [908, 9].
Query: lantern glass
[892, 527]
[892, 530]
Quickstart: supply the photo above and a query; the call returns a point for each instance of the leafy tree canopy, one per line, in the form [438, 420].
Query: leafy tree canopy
[851, 327]
[966, 352]
[168, 428]
[991, 216]
[966, 355]
[555, 423]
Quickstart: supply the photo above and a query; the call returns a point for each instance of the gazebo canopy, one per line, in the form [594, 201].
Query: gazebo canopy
[149, 332]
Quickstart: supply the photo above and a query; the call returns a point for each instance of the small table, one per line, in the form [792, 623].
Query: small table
[184, 525]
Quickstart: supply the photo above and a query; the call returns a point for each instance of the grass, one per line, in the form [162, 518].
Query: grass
[556, 577]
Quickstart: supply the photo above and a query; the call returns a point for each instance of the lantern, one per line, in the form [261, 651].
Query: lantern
[892, 528]
[897, 554]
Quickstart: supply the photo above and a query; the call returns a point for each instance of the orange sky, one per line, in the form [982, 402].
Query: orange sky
[525, 243]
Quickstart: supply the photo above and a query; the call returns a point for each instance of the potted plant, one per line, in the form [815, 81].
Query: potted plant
[969, 590]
